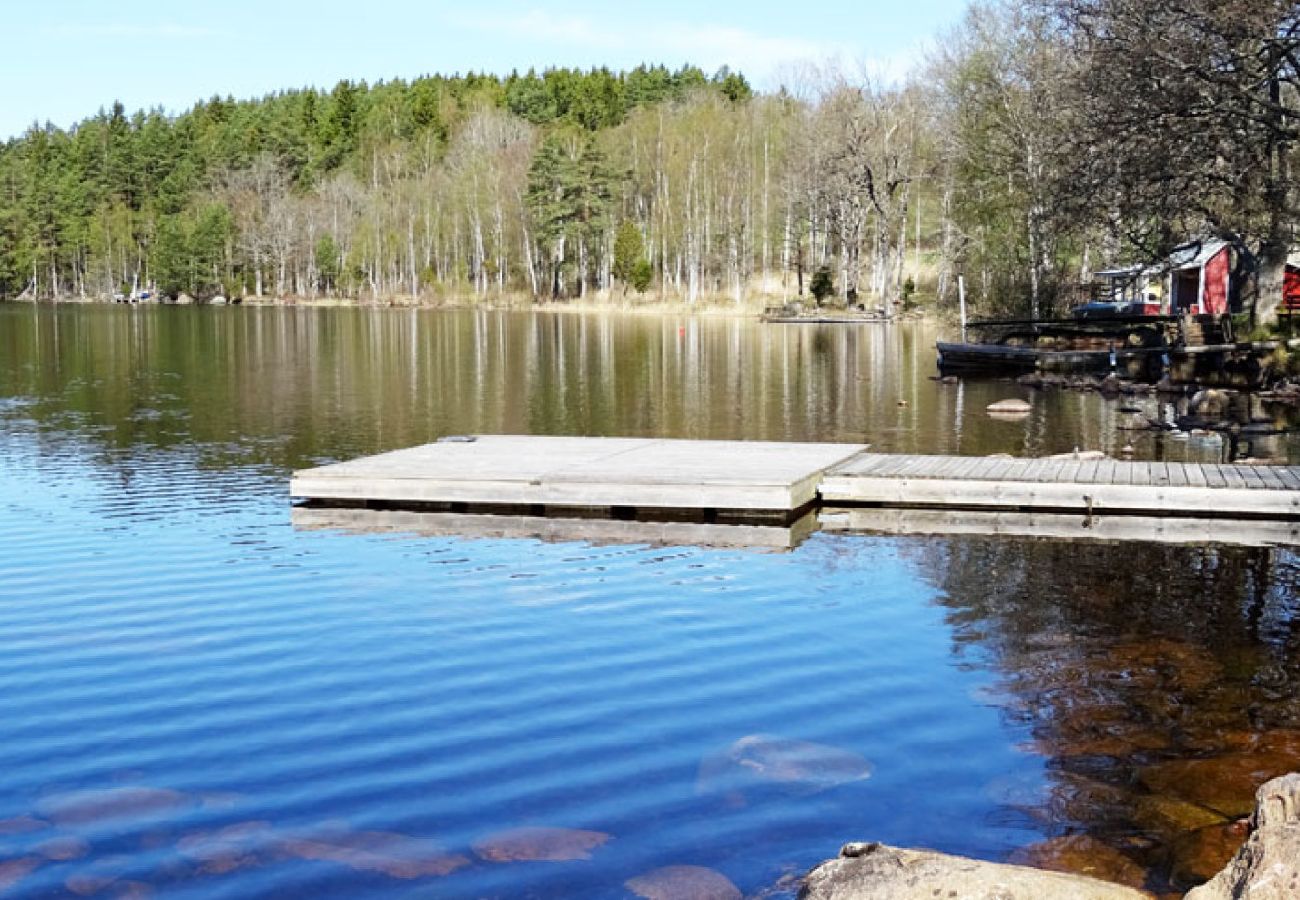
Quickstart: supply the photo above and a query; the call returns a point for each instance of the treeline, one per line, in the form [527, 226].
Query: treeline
[1042, 141]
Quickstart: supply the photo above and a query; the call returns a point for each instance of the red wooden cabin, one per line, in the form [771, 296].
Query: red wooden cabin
[1291, 289]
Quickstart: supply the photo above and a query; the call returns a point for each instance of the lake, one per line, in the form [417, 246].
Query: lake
[201, 701]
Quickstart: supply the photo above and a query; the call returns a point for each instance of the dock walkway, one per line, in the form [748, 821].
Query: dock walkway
[1070, 485]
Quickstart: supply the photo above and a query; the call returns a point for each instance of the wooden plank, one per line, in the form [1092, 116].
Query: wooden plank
[967, 465]
[1252, 476]
[1214, 475]
[1015, 469]
[1290, 477]
[997, 468]
[1105, 473]
[1272, 481]
[1087, 471]
[1122, 473]
[1177, 474]
[1195, 474]
[1069, 473]
[904, 466]
[1232, 476]
[1036, 469]
[939, 468]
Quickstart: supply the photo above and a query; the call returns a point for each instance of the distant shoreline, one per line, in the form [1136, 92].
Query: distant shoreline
[711, 306]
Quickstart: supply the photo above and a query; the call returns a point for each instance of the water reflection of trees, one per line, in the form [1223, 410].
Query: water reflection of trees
[1155, 680]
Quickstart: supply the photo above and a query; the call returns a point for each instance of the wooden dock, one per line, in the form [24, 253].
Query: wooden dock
[775, 483]
[544, 475]
[1065, 485]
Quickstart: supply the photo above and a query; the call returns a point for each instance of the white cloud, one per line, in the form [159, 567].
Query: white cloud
[706, 45]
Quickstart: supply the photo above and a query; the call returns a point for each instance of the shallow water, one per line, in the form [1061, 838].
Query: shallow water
[200, 701]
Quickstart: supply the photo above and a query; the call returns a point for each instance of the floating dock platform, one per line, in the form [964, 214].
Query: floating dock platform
[620, 477]
[758, 482]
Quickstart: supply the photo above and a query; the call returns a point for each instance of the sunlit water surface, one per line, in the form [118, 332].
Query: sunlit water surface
[199, 701]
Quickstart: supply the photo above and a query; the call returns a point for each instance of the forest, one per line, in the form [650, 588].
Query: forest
[1042, 140]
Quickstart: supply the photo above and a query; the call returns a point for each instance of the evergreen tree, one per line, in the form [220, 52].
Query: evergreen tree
[629, 253]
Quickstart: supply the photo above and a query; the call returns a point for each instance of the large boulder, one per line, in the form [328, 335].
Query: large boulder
[880, 872]
[1267, 867]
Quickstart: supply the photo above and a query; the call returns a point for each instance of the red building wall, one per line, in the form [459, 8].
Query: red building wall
[1215, 300]
[1291, 288]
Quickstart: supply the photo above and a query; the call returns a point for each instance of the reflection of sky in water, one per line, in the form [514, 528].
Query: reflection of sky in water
[278, 710]
[250, 709]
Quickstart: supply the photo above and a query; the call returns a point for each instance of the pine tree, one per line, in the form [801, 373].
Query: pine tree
[629, 253]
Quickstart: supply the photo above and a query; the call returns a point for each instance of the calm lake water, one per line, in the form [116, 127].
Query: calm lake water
[199, 700]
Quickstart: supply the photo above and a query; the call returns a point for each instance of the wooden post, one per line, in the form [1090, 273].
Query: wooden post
[961, 297]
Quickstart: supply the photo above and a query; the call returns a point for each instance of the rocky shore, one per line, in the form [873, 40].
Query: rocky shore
[1265, 867]
[1281, 390]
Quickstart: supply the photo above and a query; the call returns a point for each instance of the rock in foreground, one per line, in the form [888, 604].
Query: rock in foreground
[879, 872]
[1267, 867]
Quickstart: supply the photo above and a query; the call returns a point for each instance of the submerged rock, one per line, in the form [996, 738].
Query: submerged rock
[540, 845]
[879, 872]
[99, 875]
[1267, 866]
[1169, 815]
[1226, 784]
[93, 807]
[21, 825]
[1196, 856]
[683, 883]
[394, 855]
[1079, 854]
[12, 871]
[241, 846]
[765, 758]
[62, 849]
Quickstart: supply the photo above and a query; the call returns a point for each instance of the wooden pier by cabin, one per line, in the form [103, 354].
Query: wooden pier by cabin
[751, 481]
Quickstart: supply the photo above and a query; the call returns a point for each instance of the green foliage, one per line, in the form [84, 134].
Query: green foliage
[628, 251]
[329, 263]
[570, 196]
[125, 189]
[822, 284]
[732, 85]
[190, 251]
[642, 275]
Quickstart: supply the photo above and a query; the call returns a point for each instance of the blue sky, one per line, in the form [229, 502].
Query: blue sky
[64, 59]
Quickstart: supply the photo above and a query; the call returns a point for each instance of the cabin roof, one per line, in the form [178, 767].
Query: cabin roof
[1195, 255]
